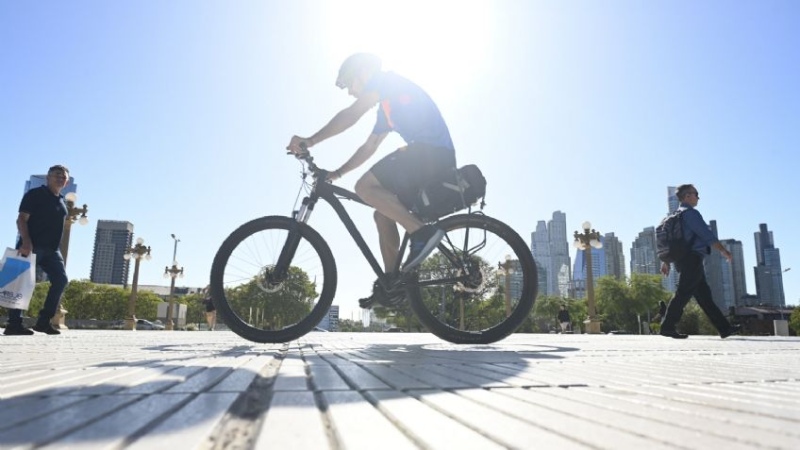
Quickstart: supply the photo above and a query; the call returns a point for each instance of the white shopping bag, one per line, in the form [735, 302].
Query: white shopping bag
[17, 279]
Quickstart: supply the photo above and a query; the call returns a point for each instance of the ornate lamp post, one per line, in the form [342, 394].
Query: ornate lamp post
[172, 272]
[506, 269]
[137, 252]
[590, 238]
[74, 214]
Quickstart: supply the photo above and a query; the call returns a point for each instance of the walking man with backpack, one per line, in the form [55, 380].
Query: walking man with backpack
[697, 239]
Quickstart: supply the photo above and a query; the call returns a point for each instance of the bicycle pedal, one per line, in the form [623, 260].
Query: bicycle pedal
[367, 303]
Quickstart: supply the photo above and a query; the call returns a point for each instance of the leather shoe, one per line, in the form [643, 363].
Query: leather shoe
[17, 330]
[674, 334]
[45, 328]
[733, 329]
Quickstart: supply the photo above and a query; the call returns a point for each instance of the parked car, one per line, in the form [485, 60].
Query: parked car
[142, 324]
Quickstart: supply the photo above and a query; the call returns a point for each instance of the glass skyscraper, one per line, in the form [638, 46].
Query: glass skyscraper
[112, 240]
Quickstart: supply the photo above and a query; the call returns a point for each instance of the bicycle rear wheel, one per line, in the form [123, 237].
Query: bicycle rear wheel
[460, 295]
[254, 299]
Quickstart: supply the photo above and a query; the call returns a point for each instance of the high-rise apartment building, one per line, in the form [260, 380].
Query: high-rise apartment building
[615, 257]
[768, 272]
[672, 200]
[714, 264]
[111, 241]
[330, 321]
[734, 282]
[550, 250]
[643, 253]
[514, 279]
[540, 248]
[559, 255]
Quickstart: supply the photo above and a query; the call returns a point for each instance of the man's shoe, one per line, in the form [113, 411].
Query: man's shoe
[391, 299]
[17, 330]
[733, 329]
[423, 241]
[674, 334]
[662, 311]
[46, 329]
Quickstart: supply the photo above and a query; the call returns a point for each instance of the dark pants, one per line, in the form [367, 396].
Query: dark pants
[52, 264]
[693, 283]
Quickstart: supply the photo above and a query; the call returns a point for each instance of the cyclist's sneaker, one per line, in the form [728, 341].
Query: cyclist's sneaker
[393, 298]
[423, 241]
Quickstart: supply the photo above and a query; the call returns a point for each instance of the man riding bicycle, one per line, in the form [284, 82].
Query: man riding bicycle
[391, 185]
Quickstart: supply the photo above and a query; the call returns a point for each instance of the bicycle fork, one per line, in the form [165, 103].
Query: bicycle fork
[281, 270]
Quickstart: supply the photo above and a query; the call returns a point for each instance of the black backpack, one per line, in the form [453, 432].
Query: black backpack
[670, 245]
[454, 190]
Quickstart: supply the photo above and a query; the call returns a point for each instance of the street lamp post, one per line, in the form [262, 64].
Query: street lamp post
[172, 272]
[137, 252]
[506, 269]
[590, 238]
[74, 214]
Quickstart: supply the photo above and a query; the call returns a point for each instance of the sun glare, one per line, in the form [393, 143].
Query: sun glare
[442, 44]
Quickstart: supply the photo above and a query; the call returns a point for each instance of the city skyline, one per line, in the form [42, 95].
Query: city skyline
[728, 281]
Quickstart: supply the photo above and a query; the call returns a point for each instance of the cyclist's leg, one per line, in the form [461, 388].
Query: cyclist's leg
[389, 239]
[386, 202]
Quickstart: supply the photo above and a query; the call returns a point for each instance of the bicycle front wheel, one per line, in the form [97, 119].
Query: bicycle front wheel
[261, 301]
[478, 286]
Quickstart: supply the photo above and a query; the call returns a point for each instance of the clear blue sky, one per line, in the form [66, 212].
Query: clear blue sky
[174, 115]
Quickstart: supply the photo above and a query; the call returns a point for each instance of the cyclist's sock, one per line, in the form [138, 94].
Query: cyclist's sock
[423, 242]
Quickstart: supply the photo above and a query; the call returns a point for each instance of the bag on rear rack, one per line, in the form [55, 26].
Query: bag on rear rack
[455, 190]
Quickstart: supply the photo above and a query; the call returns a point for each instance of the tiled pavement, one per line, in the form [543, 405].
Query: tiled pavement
[184, 390]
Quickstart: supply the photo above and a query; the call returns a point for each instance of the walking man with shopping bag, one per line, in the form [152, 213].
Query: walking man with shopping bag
[42, 213]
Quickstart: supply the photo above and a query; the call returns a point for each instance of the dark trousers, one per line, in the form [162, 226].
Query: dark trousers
[52, 264]
[693, 283]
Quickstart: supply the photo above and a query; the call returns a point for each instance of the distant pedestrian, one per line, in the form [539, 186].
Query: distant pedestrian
[211, 311]
[563, 319]
[42, 213]
[692, 281]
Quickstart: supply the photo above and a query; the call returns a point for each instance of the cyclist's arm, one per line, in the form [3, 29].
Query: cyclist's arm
[362, 154]
[345, 118]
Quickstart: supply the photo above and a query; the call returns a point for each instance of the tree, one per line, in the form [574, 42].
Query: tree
[292, 300]
[794, 320]
[622, 303]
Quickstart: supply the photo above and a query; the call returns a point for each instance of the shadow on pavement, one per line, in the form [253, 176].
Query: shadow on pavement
[78, 412]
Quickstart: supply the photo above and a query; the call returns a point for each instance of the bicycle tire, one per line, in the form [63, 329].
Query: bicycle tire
[456, 293]
[241, 286]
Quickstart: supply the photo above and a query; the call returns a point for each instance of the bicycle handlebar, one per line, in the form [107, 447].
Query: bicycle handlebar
[306, 157]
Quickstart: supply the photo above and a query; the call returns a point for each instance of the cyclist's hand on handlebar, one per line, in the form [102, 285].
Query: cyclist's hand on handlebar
[330, 177]
[298, 146]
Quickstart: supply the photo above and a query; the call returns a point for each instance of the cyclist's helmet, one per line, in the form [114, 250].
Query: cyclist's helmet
[353, 65]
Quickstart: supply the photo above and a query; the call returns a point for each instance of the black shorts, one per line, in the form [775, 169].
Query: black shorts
[408, 169]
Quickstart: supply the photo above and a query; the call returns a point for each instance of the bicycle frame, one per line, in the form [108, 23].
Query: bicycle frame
[324, 190]
[331, 193]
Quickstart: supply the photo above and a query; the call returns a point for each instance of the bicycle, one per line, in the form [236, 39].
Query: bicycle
[274, 278]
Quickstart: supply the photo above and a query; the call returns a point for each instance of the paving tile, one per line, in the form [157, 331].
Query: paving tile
[431, 428]
[47, 428]
[357, 424]
[293, 421]
[120, 389]
[188, 427]
[114, 430]
[504, 429]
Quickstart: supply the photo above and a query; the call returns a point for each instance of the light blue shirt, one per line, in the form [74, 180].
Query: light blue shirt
[696, 231]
